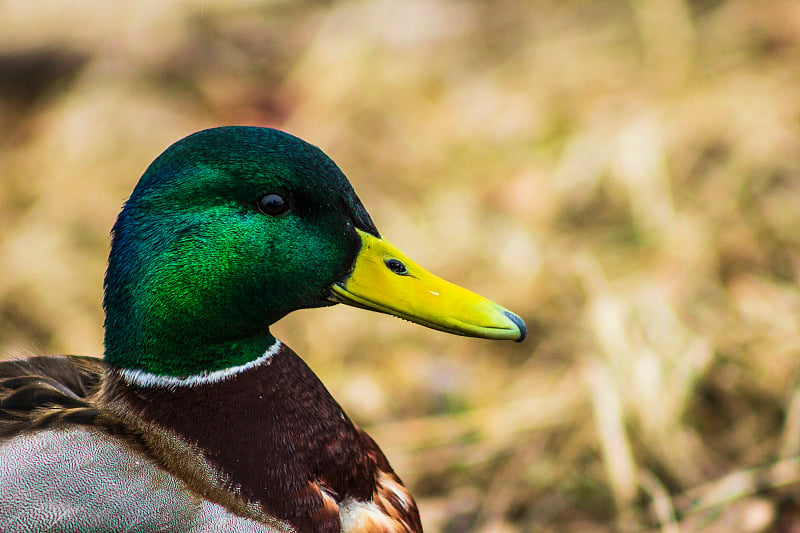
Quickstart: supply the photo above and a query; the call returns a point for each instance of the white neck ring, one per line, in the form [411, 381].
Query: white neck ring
[146, 379]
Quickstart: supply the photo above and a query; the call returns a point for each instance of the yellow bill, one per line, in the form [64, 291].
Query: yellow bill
[384, 279]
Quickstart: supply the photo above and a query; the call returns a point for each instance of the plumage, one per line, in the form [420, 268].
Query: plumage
[197, 419]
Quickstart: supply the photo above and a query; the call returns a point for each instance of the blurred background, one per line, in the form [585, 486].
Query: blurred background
[625, 175]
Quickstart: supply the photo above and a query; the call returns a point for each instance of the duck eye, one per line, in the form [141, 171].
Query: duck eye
[273, 204]
[396, 266]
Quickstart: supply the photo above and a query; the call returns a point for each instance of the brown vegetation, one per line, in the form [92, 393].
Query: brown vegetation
[624, 175]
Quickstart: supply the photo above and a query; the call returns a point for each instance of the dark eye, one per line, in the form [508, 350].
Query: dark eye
[273, 204]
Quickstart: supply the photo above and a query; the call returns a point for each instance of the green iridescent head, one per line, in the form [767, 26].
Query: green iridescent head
[205, 255]
[232, 228]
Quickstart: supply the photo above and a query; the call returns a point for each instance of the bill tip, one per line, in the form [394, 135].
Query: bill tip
[523, 330]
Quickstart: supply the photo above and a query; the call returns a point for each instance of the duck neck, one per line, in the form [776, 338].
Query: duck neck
[269, 427]
[173, 355]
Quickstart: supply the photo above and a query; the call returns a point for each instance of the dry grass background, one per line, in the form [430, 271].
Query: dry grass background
[623, 174]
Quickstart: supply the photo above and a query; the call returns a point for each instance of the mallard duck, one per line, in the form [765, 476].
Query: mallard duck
[197, 419]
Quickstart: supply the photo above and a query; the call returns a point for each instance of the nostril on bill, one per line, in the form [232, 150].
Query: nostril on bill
[396, 266]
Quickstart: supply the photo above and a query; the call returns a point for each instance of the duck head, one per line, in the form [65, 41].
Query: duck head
[232, 228]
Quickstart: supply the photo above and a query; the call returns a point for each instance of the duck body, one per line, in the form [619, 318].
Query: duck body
[197, 419]
[161, 470]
